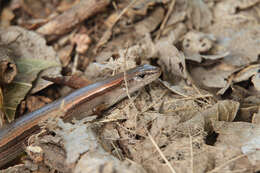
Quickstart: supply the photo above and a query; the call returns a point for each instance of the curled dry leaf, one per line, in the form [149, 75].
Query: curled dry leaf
[8, 69]
[75, 81]
[31, 56]
[225, 110]
[246, 112]
[172, 61]
[256, 81]
[246, 73]
[196, 43]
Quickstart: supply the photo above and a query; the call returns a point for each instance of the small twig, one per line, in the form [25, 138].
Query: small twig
[125, 76]
[107, 34]
[191, 98]
[75, 64]
[165, 19]
[191, 151]
[167, 85]
[130, 131]
[122, 13]
[117, 152]
[154, 103]
[126, 86]
[161, 153]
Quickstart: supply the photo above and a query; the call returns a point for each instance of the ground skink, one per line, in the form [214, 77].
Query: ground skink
[80, 102]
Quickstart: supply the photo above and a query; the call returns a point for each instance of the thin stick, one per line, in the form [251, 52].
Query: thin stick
[165, 19]
[75, 63]
[191, 152]
[161, 153]
[127, 90]
[123, 12]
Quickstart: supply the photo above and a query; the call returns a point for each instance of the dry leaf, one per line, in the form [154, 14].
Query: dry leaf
[256, 117]
[38, 9]
[31, 56]
[242, 45]
[212, 76]
[7, 16]
[172, 61]
[256, 81]
[196, 43]
[240, 136]
[82, 42]
[199, 14]
[225, 110]
[8, 69]
[150, 23]
[140, 7]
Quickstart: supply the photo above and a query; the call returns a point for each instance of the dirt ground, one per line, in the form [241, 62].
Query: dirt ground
[201, 115]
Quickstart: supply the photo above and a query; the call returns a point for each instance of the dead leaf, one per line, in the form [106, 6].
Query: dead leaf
[225, 110]
[246, 113]
[8, 69]
[150, 23]
[256, 81]
[172, 61]
[242, 45]
[215, 77]
[178, 14]
[256, 117]
[35, 102]
[196, 43]
[82, 42]
[65, 55]
[241, 5]
[174, 32]
[240, 136]
[246, 73]
[199, 14]
[75, 81]
[38, 9]
[7, 16]
[31, 56]
[140, 7]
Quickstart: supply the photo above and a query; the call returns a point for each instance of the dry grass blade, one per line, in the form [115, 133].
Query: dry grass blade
[165, 19]
[161, 153]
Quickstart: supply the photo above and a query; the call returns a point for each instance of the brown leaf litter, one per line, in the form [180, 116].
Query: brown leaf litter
[202, 115]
